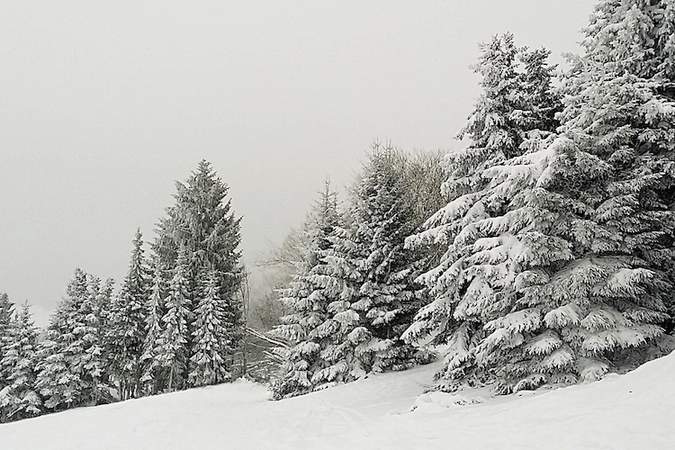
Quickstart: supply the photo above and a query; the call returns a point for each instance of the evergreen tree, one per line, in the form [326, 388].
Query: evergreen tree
[6, 313]
[596, 283]
[487, 226]
[58, 386]
[62, 355]
[19, 398]
[174, 352]
[89, 343]
[127, 322]
[388, 296]
[203, 224]
[620, 116]
[210, 346]
[307, 298]
[103, 302]
[153, 376]
[373, 277]
[6, 309]
[495, 136]
[596, 266]
[568, 278]
[340, 280]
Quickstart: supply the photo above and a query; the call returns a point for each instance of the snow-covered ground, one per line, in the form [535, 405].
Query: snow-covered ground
[633, 411]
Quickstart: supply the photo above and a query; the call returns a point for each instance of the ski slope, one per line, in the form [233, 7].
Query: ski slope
[634, 411]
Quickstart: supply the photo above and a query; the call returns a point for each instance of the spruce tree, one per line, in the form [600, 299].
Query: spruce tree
[153, 376]
[596, 265]
[127, 322]
[597, 281]
[371, 277]
[209, 346]
[58, 386]
[174, 352]
[495, 136]
[203, 224]
[620, 116]
[487, 228]
[340, 280]
[307, 299]
[89, 344]
[103, 302]
[388, 296]
[6, 314]
[62, 354]
[19, 399]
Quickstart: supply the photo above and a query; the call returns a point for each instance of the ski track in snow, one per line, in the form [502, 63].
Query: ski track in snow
[633, 411]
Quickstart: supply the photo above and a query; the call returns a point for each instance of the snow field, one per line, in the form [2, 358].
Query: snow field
[632, 411]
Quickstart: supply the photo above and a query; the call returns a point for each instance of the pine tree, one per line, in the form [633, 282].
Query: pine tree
[209, 345]
[19, 398]
[307, 299]
[127, 322]
[174, 352]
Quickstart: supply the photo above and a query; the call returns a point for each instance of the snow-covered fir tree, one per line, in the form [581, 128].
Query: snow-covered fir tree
[340, 280]
[88, 330]
[571, 278]
[153, 376]
[596, 267]
[620, 116]
[307, 298]
[595, 241]
[126, 322]
[6, 314]
[58, 386]
[202, 223]
[210, 344]
[71, 357]
[371, 278]
[103, 300]
[19, 398]
[174, 351]
[474, 282]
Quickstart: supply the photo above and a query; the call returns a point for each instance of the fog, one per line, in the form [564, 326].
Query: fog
[104, 104]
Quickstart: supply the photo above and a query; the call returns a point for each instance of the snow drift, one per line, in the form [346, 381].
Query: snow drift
[632, 411]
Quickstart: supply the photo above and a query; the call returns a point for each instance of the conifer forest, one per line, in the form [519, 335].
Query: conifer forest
[537, 254]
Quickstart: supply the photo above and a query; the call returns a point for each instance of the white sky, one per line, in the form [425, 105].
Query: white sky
[104, 104]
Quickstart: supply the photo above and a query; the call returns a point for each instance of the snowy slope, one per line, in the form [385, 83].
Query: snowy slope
[633, 411]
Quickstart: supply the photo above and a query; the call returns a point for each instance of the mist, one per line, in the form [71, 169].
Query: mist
[105, 105]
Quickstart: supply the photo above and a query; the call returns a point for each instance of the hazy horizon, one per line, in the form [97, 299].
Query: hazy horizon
[106, 105]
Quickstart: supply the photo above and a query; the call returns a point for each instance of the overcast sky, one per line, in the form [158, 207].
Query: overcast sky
[104, 104]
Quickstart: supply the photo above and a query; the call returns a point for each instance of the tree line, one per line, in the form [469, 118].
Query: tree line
[175, 321]
[551, 260]
[540, 253]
